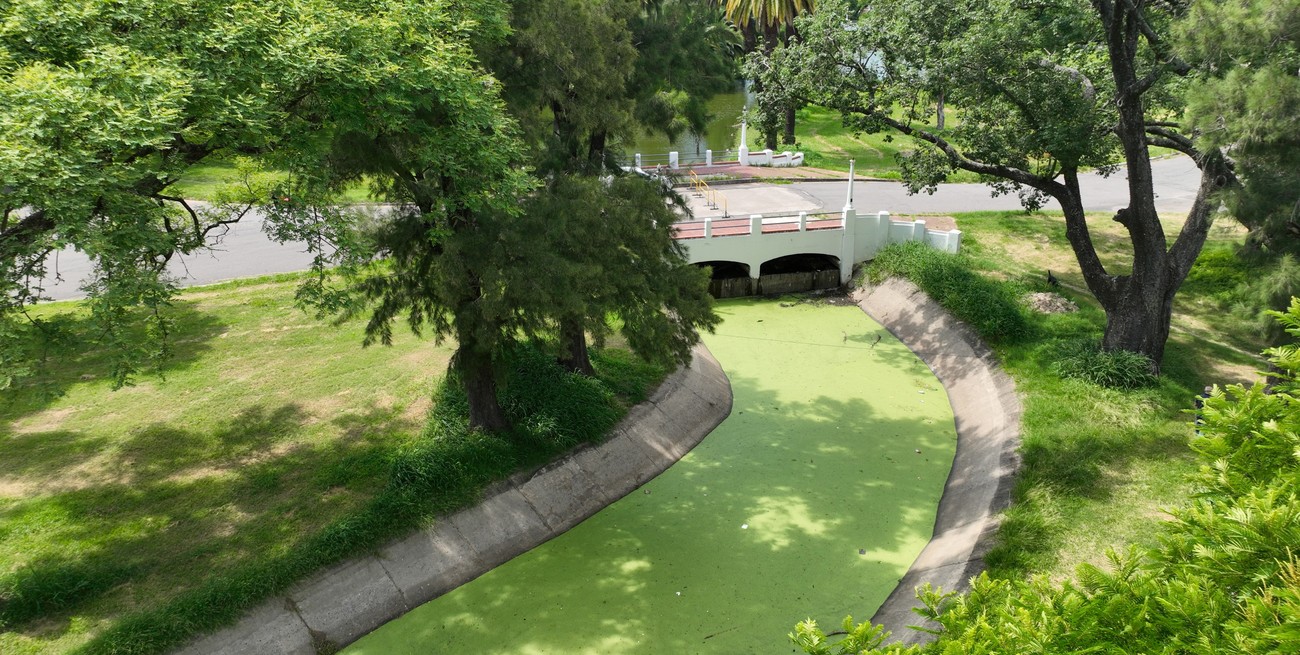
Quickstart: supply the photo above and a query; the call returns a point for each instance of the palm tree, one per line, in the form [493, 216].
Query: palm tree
[770, 16]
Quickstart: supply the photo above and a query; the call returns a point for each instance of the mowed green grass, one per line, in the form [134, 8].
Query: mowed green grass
[266, 426]
[216, 175]
[826, 143]
[811, 499]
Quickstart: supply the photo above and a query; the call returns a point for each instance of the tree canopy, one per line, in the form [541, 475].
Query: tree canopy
[1247, 99]
[1045, 90]
[105, 105]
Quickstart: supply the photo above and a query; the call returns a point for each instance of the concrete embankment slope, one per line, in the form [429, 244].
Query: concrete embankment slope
[346, 601]
[987, 413]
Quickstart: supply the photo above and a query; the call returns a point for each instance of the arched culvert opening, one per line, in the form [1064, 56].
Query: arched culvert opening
[800, 272]
[728, 279]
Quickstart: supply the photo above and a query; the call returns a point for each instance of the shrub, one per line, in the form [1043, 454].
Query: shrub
[1086, 360]
[992, 308]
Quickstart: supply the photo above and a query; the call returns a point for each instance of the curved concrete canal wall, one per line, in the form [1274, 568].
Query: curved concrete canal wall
[987, 413]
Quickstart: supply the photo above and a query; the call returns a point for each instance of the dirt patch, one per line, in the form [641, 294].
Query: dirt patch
[943, 223]
[1046, 302]
[46, 421]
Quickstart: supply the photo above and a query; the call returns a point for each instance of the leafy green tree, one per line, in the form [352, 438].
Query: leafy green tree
[576, 75]
[102, 107]
[1225, 577]
[775, 19]
[1046, 89]
[603, 250]
[1247, 98]
[105, 105]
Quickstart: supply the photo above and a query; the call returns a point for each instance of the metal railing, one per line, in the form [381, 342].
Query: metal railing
[712, 198]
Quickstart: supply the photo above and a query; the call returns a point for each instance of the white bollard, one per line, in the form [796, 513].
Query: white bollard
[638, 160]
[672, 160]
[708, 157]
[756, 224]
[803, 221]
[708, 228]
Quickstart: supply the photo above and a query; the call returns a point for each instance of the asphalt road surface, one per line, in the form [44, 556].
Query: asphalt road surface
[245, 250]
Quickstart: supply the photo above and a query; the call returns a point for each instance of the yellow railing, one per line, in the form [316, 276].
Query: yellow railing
[712, 198]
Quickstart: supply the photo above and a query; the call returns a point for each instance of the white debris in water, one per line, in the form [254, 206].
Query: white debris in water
[744, 526]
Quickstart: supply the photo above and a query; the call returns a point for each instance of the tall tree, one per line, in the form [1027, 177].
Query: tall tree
[775, 20]
[1046, 89]
[578, 75]
[105, 105]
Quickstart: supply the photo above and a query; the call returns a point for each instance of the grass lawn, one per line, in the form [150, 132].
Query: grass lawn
[1100, 465]
[267, 426]
[128, 517]
[205, 181]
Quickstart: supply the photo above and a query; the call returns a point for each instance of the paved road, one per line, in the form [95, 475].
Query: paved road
[246, 251]
[1176, 180]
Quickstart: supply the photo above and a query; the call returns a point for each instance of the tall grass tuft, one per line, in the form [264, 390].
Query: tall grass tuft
[1084, 359]
[989, 306]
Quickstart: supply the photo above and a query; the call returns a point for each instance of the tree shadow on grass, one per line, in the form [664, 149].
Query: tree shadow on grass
[75, 356]
[184, 507]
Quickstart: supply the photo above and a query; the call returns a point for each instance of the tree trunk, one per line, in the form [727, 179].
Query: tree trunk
[573, 341]
[769, 46]
[477, 374]
[788, 137]
[938, 115]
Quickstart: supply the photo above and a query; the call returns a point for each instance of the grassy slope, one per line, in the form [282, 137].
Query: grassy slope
[1099, 465]
[267, 426]
[265, 452]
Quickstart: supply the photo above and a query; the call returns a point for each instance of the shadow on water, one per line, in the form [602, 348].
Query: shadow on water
[803, 503]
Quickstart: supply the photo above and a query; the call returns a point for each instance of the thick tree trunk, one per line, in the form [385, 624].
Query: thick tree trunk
[573, 341]
[479, 377]
[938, 115]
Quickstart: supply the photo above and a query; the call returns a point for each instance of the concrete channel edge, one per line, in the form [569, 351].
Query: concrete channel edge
[987, 413]
[344, 602]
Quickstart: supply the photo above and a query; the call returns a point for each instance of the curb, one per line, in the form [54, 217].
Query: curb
[987, 415]
[344, 602]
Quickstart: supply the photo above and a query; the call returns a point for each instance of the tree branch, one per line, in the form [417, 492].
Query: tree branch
[963, 162]
[1089, 89]
[1164, 137]
[1216, 174]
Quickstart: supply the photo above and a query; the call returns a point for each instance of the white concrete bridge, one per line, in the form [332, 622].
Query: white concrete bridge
[845, 237]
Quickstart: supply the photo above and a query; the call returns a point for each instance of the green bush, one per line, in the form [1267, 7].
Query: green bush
[1086, 360]
[992, 308]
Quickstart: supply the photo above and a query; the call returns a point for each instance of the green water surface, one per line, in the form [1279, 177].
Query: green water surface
[810, 500]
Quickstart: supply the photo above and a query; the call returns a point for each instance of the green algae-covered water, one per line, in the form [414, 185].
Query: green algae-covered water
[810, 500]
